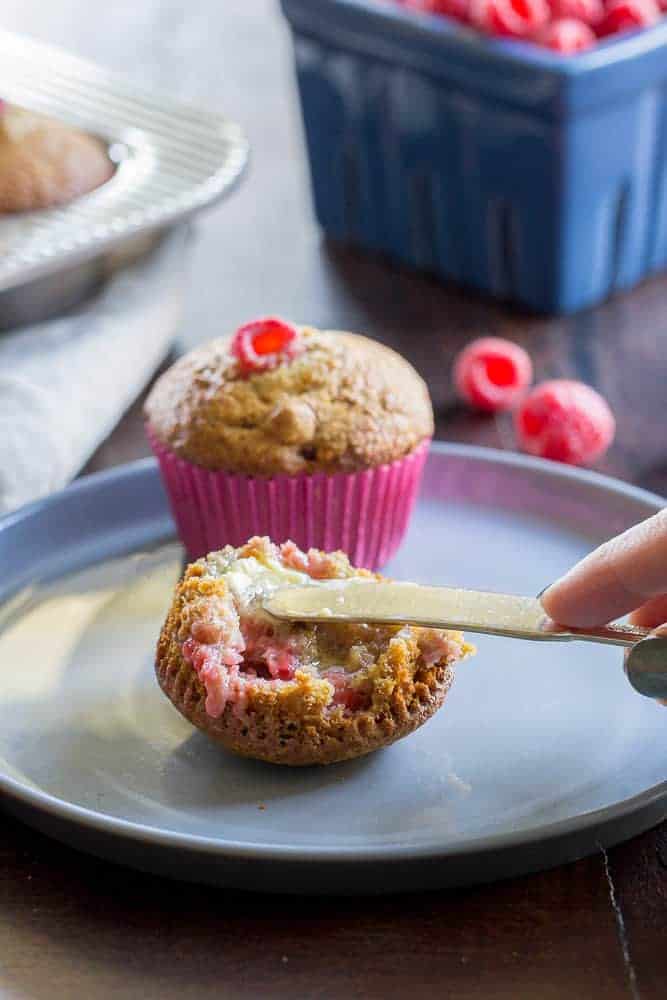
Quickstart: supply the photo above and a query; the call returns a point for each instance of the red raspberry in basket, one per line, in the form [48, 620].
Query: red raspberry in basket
[512, 18]
[590, 12]
[627, 15]
[492, 373]
[265, 344]
[566, 421]
[457, 9]
[566, 36]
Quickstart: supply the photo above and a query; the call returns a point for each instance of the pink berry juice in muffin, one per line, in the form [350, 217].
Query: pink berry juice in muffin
[294, 694]
[295, 433]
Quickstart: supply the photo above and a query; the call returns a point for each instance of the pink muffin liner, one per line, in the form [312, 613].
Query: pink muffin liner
[365, 514]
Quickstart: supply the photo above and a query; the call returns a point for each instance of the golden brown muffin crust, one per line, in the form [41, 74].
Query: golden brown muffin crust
[45, 163]
[273, 734]
[345, 403]
[293, 723]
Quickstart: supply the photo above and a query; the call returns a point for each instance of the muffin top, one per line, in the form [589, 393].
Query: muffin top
[44, 162]
[330, 402]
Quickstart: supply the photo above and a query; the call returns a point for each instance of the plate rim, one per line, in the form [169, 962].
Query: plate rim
[146, 834]
[128, 470]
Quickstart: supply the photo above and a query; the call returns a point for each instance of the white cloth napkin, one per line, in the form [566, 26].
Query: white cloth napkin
[64, 384]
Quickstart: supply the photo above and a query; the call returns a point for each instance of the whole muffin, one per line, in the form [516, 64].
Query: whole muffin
[44, 163]
[294, 694]
[293, 432]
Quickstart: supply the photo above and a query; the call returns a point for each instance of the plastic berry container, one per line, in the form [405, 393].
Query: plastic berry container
[531, 176]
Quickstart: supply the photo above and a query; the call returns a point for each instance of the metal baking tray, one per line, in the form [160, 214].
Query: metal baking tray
[170, 161]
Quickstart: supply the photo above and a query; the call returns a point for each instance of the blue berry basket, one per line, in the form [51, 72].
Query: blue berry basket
[531, 176]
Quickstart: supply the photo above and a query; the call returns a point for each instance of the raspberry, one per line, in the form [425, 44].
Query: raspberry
[351, 698]
[265, 344]
[281, 662]
[566, 421]
[626, 15]
[492, 374]
[590, 12]
[457, 9]
[208, 633]
[566, 36]
[512, 18]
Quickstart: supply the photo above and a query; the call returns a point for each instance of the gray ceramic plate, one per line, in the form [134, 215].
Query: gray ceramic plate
[541, 754]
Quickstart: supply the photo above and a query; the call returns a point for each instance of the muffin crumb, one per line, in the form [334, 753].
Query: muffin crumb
[292, 421]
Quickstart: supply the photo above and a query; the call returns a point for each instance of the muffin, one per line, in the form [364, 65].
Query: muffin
[44, 163]
[294, 693]
[292, 432]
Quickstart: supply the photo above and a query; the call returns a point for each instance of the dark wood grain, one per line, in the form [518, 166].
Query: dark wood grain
[71, 926]
[86, 928]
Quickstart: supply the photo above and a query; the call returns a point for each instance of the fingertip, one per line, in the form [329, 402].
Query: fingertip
[572, 600]
[549, 602]
[614, 579]
[652, 614]
[590, 594]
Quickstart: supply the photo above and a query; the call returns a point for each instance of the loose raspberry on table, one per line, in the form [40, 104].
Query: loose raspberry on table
[265, 343]
[566, 35]
[492, 373]
[510, 18]
[627, 15]
[566, 421]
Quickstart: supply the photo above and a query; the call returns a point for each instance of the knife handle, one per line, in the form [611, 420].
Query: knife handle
[616, 634]
[646, 666]
[645, 658]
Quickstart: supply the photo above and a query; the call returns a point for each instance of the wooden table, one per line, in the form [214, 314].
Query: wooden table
[71, 926]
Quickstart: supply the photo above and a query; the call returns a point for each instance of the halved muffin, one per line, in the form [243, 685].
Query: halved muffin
[294, 693]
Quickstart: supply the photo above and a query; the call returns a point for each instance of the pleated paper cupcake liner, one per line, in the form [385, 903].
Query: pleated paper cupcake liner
[364, 513]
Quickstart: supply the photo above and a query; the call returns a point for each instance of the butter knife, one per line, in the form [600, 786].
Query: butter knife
[511, 615]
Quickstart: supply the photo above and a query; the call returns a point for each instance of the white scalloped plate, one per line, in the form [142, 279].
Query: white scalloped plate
[541, 754]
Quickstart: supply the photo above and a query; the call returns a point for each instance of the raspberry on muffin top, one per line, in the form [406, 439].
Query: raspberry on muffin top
[44, 163]
[329, 401]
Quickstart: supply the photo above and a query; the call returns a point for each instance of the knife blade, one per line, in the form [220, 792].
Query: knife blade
[402, 603]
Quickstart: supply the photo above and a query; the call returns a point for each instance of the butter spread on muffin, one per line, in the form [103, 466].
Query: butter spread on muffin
[294, 694]
[44, 162]
[338, 402]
